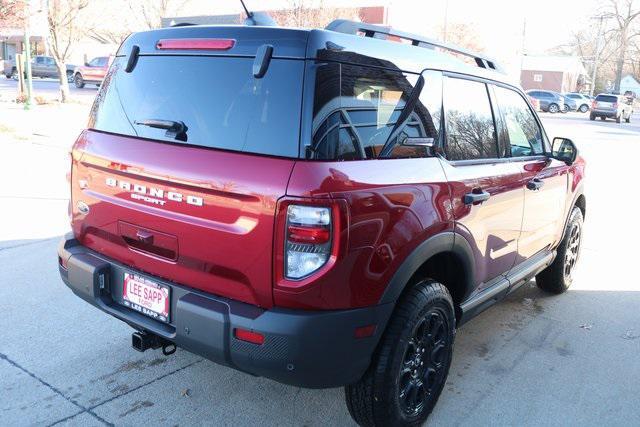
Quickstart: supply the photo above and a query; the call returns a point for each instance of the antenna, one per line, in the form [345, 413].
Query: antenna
[249, 14]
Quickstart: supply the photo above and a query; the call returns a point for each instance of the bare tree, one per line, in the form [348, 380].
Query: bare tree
[64, 31]
[12, 13]
[626, 17]
[151, 12]
[464, 35]
[308, 14]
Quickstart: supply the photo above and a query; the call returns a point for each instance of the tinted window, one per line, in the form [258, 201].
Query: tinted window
[524, 133]
[573, 96]
[101, 62]
[470, 129]
[217, 98]
[607, 98]
[39, 60]
[356, 109]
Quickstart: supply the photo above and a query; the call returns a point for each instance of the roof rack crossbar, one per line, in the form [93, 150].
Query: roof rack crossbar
[382, 32]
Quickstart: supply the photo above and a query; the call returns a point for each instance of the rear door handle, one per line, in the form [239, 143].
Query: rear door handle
[476, 196]
[535, 184]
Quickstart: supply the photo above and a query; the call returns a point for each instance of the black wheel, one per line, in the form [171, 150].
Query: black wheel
[410, 366]
[584, 108]
[603, 118]
[628, 119]
[565, 109]
[553, 108]
[78, 80]
[558, 276]
[592, 117]
[14, 74]
[70, 76]
[618, 119]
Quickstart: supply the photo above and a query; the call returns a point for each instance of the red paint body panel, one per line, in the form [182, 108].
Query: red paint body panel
[393, 205]
[223, 247]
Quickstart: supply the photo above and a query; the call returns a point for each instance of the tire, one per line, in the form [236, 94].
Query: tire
[592, 116]
[565, 109]
[584, 108]
[420, 332]
[628, 119]
[14, 74]
[618, 120]
[603, 118]
[78, 81]
[557, 278]
[553, 108]
[70, 78]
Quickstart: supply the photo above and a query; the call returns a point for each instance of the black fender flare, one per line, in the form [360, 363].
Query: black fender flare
[443, 242]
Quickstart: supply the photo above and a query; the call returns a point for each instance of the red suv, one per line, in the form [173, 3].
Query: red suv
[92, 72]
[320, 207]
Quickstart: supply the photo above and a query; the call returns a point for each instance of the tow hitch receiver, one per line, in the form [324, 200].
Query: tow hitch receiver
[143, 341]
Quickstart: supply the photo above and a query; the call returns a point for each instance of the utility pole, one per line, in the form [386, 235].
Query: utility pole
[27, 55]
[446, 20]
[596, 56]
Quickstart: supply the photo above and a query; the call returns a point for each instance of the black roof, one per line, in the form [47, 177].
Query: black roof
[313, 44]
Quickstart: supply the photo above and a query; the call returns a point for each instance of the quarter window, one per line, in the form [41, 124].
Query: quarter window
[524, 133]
[470, 126]
[356, 108]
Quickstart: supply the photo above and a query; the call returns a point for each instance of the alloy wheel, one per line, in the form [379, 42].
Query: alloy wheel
[424, 364]
[573, 250]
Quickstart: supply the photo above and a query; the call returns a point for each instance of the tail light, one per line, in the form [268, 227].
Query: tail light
[615, 105]
[307, 240]
[593, 104]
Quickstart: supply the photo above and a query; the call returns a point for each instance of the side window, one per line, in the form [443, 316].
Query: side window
[94, 62]
[525, 136]
[39, 60]
[470, 127]
[356, 109]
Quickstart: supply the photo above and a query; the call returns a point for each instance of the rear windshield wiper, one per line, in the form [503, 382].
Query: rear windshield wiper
[175, 129]
[405, 114]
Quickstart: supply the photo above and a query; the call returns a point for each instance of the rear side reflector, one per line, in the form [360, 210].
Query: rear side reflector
[364, 331]
[195, 44]
[248, 336]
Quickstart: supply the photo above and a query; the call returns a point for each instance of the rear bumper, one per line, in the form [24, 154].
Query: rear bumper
[605, 113]
[314, 349]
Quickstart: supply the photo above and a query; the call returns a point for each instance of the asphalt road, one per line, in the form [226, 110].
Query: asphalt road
[48, 88]
[533, 359]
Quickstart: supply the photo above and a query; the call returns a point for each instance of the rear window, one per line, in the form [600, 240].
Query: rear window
[217, 99]
[607, 98]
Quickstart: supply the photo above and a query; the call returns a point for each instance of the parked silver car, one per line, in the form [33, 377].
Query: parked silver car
[608, 105]
[583, 101]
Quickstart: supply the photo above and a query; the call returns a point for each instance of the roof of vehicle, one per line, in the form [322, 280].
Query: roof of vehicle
[314, 44]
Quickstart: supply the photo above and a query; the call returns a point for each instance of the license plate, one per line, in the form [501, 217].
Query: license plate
[146, 296]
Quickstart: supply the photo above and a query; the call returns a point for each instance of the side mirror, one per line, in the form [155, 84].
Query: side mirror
[86, 64]
[565, 150]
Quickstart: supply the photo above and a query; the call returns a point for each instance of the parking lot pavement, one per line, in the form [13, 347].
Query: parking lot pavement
[533, 359]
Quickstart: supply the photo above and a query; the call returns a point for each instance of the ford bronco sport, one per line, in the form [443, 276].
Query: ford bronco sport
[320, 207]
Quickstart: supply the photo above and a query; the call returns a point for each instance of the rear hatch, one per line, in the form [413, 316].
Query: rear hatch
[606, 102]
[186, 155]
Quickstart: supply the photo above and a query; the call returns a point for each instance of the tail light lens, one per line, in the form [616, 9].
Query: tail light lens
[308, 240]
[593, 104]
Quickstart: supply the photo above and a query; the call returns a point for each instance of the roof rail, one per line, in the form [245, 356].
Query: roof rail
[382, 32]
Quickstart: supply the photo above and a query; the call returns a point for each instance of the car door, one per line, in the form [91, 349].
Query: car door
[50, 68]
[543, 180]
[37, 66]
[486, 195]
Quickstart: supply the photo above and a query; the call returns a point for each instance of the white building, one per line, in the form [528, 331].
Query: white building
[628, 82]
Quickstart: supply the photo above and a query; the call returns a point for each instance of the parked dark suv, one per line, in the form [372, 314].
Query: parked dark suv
[550, 102]
[320, 207]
